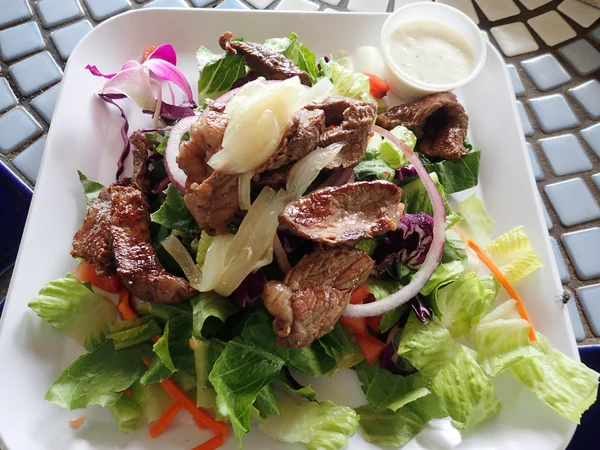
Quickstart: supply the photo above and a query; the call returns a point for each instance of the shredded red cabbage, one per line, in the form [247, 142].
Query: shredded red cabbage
[173, 112]
[407, 171]
[110, 98]
[250, 289]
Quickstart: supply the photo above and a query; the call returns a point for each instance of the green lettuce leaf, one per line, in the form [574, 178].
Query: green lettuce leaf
[477, 224]
[91, 189]
[266, 403]
[174, 214]
[465, 393]
[340, 347]
[301, 56]
[145, 405]
[454, 248]
[375, 168]
[346, 82]
[217, 73]
[416, 199]
[306, 392]
[131, 332]
[210, 304]
[74, 309]
[203, 245]
[205, 395]
[382, 288]
[321, 426]
[367, 245]
[165, 311]
[98, 377]
[314, 361]
[457, 174]
[444, 274]
[161, 367]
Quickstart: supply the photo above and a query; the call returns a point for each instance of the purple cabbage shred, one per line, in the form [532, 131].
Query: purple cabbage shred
[110, 98]
[250, 289]
[407, 171]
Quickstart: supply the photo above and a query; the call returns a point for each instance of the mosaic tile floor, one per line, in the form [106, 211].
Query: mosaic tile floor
[553, 58]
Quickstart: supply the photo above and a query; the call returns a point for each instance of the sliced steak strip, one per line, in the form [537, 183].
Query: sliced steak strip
[136, 261]
[346, 213]
[311, 298]
[263, 60]
[141, 148]
[439, 120]
[349, 122]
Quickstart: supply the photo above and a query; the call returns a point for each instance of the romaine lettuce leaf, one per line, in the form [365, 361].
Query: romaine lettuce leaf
[217, 73]
[98, 377]
[74, 309]
[416, 199]
[161, 366]
[457, 174]
[296, 52]
[165, 311]
[210, 304]
[144, 405]
[367, 245]
[131, 332]
[382, 288]
[514, 253]
[313, 361]
[91, 189]
[173, 213]
[203, 245]
[444, 274]
[205, 395]
[477, 223]
[321, 426]
[306, 392]
[374, 168]
[266, 402]
[346, 82]
[338, 345]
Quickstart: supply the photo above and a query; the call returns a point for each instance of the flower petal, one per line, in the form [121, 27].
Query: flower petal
[168, 72]
[135, 84]
[166, 52]
[130, 64]
[96, 72]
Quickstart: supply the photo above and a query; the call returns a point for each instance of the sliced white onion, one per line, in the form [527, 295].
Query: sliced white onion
[434, 255]
[214, 263]
[176, 175]
[306, 170]
[179, 253]
[244, 190]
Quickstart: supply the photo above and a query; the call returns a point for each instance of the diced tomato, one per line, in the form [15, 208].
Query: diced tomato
[359, 295]
[374, 322]
[85, 272]
[370, 347]
[356, 324]
[378, 86]
[147, 52]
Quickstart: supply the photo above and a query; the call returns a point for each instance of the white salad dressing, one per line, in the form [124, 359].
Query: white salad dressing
[431, 52]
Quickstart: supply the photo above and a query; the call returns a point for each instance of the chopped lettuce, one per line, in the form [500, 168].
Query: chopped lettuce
[443, 274]
[346, 82]
[296, 52]
[476, 224]
[98, 377]
[74, 309]
[380, 289]
[210, 304]
[203, 246]
[457, 174]
[165, 311]
[340, 347]
[266, 402]
[313, 361]
[515, 255]
[133, 331]
[144, 405]
[292, 386]
[217, 73]
[161, 366]
[91, 189]
[321, 426]
[173, 213]
[205, 395]
[374, 168]
[367, 245]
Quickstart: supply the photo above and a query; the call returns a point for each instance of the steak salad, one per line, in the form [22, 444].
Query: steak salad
[293, 225]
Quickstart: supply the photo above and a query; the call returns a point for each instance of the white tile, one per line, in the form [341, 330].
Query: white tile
[262, 4]
[297, 5]
[368, 5]
[552, 28]
[533, 4]
[498, 9]
[332, 3]
[465, 6]
[400, 3]
[584, 15]
[514, 39]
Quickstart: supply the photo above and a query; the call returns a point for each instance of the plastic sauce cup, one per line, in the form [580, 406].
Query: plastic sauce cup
[409, 88]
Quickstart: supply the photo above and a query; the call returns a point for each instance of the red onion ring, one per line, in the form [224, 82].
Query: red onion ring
[434, 255]
[177, 176]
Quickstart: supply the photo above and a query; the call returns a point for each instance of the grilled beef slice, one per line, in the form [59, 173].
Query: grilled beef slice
[265, 61]
[346, 213]
[439, 120]
[311, 298]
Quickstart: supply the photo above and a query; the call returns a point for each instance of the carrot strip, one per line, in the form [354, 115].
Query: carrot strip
[211, 444]
[77, 422]
[161, 424]
[199, 424]
[460, 235]
[124, 306]
[505, 284]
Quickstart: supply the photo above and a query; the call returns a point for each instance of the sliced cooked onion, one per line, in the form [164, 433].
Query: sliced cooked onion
[214, 263]
[176, 175]
[244, 190]
[304, 172]
[281, 255]
[179, 253]
[435, 250]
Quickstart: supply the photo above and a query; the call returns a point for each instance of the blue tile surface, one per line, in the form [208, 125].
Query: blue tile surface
[232, 4]
[55, 12]
[560, 261]
[538, 173]
[582, 56]
[546, 72]
[596, 180]
[28, 161]
[167, 4]
[7, 97]
[590, 300]
[16, 127]
[12, 11]
[573, 202]
[66, 39]
[565, 154]
[15, 197]
[525, 122]
[515, 80]
[583, 248]
[102, 9]
[588, 96]
[35, 73]
[575, 320]
[553, 113]
[595, 34]
[20, 40]
[44, 103]
[591, 135]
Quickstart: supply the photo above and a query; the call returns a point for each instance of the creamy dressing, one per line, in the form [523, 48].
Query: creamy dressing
[431, 52]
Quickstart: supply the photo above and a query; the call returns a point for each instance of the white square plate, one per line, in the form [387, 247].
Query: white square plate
[85, 135]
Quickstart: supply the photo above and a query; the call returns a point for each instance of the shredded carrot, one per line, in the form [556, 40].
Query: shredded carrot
[505, 284]
[77, 422]
[211, 444]
[199, 424]
[161, 424]
[124, 306]
[460, 235]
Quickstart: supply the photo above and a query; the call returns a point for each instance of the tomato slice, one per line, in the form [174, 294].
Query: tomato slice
[85, 272]
[374, 322]
[147, 52]
[371, 348]
[360, 294]
[356, 324]
[378, 85]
